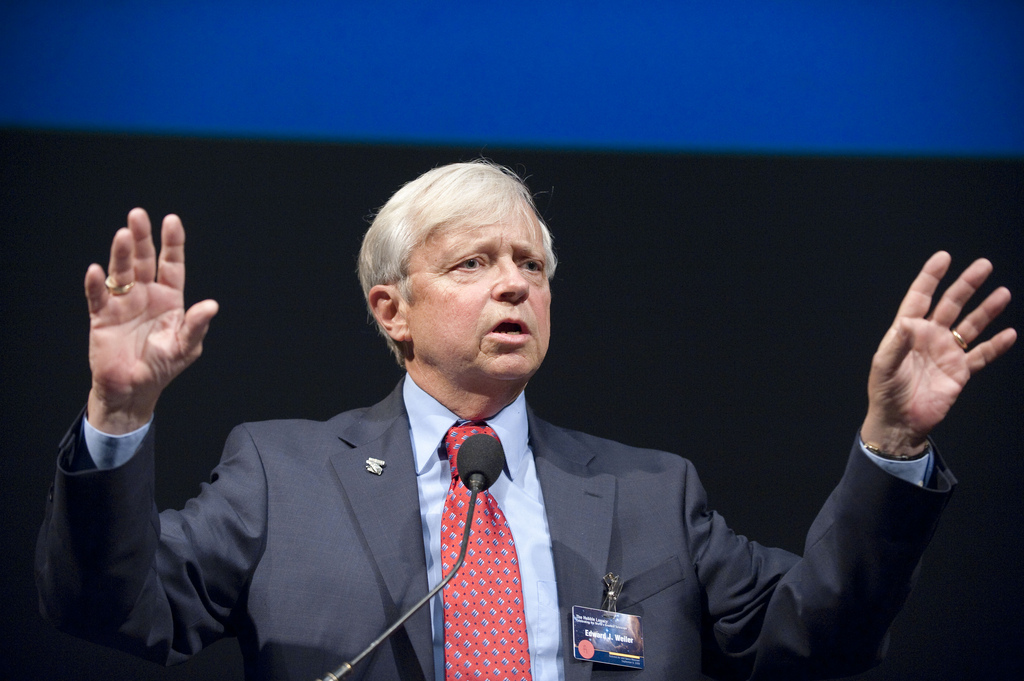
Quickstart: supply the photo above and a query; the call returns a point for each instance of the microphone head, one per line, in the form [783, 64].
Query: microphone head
[483, 456]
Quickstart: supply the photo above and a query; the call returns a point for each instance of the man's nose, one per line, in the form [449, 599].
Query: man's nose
[512, 285]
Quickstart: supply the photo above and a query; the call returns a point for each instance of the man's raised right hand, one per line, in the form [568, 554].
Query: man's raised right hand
[140, 340]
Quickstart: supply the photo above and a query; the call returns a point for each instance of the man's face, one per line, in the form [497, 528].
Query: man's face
[478, 318]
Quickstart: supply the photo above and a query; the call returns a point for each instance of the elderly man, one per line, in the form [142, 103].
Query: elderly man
[305, 556]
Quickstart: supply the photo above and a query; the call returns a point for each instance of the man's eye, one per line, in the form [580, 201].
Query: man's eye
[471, 264]
[533, 266]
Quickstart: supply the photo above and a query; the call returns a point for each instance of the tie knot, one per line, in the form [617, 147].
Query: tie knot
[459, 433]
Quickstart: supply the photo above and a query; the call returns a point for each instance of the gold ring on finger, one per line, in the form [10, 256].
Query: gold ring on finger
[959, 339]
[116, 290]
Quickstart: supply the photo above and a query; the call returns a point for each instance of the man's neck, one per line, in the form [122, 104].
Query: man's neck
[470, 402]
[429, 420]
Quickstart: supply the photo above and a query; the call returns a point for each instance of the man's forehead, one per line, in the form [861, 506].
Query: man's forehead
[522, 231]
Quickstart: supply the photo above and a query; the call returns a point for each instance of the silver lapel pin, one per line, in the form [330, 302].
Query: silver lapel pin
[375, 466]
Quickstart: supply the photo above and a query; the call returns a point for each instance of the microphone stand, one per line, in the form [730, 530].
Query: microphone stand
[477, 483]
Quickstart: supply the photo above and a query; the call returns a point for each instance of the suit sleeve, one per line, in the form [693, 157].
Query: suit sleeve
[772, 615]
[112, 570]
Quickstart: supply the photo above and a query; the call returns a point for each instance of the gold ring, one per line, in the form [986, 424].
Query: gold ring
[116, 290]
[959, 339]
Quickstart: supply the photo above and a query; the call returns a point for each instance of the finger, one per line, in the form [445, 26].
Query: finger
[918, 300]
[172, 253]
[95, 288]
[971, 326]
[122, 262]
[144, 250]
[197, 323]
[985, 353]
[956, 296]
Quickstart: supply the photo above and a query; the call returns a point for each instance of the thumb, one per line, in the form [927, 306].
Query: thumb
[195, 326]
[894, 348]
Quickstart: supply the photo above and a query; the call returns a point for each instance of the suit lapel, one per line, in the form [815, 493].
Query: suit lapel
[386, 508]
[579, 504]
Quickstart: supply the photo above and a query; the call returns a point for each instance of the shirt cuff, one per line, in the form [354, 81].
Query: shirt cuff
[110, 451]
[916, 472]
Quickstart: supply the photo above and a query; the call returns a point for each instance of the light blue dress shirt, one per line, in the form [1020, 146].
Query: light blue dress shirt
[517, 492]
[519, 496]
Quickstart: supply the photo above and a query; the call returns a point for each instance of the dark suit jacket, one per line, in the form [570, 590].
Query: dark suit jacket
[302, 554]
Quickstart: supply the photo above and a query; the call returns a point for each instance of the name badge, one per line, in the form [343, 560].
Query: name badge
[607, 637]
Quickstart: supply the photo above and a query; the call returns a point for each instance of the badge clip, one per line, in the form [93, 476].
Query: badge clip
[613, 587]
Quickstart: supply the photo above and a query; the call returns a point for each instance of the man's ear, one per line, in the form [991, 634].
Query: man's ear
[389, 309]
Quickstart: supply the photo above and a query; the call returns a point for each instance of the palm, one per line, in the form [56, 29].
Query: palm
[135, 342]
[931, 376]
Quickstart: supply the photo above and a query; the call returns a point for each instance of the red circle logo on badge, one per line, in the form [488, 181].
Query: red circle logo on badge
[586, 649]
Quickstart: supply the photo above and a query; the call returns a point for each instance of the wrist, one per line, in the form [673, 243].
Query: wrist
[893, 442]
[115, 420]
[896, 456]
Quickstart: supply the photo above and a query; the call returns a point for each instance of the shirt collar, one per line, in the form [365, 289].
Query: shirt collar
[429, 420]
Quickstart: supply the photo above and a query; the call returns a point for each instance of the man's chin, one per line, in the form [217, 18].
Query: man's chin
[510, 369]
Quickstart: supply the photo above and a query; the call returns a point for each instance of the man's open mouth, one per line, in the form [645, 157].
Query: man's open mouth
[508, 327]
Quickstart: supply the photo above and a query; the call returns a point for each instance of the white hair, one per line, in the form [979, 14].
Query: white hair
[452, 196]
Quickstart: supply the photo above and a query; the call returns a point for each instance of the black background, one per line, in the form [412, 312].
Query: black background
[723, 307]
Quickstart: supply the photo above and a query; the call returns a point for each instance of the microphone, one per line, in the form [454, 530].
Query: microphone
[480, 461]
[481, 458]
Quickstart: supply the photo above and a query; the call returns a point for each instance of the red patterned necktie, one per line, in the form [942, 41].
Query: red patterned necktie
[484, 622]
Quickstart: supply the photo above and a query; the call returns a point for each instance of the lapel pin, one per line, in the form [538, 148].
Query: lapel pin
[375, 466]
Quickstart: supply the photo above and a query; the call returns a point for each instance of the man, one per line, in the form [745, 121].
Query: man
[305, 556]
